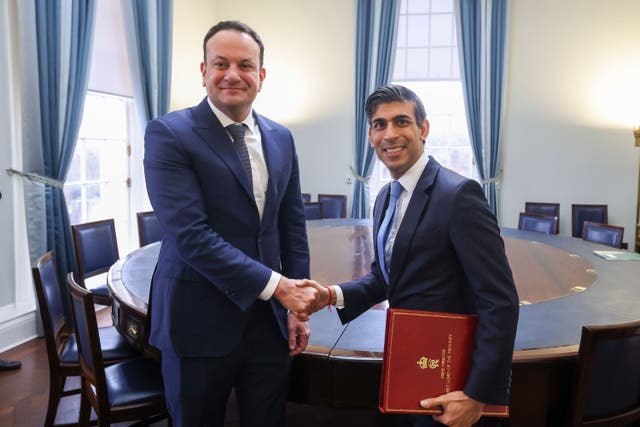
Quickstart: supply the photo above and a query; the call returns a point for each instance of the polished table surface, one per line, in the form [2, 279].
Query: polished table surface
[562, 286]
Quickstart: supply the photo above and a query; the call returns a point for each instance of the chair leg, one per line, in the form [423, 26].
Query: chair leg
[85, 409]
[56, 386]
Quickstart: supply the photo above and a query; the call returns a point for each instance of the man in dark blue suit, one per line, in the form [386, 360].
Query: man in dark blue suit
[443, 253]
[224, 184]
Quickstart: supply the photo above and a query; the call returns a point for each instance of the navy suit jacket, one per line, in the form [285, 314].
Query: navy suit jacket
[448, 256]
[217, 255]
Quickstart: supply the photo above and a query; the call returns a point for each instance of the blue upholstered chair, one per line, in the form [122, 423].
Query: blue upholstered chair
[607, 385]
[125, 391]
[306, 197]
[313, 210]
[582, 213]
[149, 230]
[539, 223]
[610, 235]
[62, 351]
[542, 208]
[96, 248]
[333, 205]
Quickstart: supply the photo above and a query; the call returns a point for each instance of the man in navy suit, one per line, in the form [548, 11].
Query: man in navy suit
[224, 184]
[443, 253]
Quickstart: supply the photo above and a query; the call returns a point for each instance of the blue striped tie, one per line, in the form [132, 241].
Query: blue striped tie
[237, 131]
[385, 227]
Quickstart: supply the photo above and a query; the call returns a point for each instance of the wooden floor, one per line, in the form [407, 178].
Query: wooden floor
[24, 395]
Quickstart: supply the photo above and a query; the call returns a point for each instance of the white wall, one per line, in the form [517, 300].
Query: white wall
[573, 99]
[309, 58]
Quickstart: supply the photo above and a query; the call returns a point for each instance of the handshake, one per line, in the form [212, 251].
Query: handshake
[302, 297]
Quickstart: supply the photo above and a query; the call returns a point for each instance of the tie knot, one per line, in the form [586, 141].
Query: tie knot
[237, 131]
[396, 189]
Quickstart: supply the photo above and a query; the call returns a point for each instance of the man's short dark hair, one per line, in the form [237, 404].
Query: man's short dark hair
[394, 93]
[233, 25]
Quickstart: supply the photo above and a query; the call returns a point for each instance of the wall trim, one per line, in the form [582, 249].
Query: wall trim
[18, 330]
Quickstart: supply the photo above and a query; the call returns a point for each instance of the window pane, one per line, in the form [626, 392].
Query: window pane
[461, 159]
[418, 30]
[403, 7]
[440, 63]
[92, 161]
[401, 38]
[455, 71]
[110, 160]
[114, 119]
[74, 169]
[90, 125]
[400, 66]
[438, 6]
[73, 195]
[418, 6]
[417, 63]
[441, 30]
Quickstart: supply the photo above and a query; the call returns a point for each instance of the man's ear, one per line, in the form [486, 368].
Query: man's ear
[424, 129]
[263, 74]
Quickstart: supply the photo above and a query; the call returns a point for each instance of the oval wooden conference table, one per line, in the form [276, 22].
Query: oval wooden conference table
[562, 286]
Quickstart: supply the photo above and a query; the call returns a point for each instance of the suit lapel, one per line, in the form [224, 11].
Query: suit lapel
[209, 128]
[412, 218]
[272, 158]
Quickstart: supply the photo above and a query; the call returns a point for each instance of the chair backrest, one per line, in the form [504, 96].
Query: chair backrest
[96, 247]
[582, 213]
[49, 292]
[313, 210]
[610, 235]
[607, 387]
[333, 205]
[539, 223]
[543, 208]
[306, 197]
[149, 230]
[87, 336]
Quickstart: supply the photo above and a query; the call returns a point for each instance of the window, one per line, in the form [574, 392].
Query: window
[426, 61]
[98, 182]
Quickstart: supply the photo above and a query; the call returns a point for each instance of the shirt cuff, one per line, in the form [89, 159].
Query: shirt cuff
[339, 296]
[272, 284]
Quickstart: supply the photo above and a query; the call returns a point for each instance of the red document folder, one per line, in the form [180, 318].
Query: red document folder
[426, 354]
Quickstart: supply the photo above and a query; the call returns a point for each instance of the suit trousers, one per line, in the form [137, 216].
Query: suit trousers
[197, 388]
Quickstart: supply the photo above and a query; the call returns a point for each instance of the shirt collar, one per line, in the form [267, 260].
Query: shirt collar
[411, 177]
[225, 121]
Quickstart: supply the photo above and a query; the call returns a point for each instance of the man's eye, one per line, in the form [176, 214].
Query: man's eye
[247, 66]
[219, 64]
[378, 125]
[403, 122]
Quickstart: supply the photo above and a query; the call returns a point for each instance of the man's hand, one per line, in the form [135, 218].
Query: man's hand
[298, 334]
[301, 300]
[458, 409]
[323, 292]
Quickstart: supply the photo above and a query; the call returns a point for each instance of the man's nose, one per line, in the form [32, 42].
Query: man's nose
[233, 73]
[390, 132]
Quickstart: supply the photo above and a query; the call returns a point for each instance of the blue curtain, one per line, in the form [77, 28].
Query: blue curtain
[64, 33]
[148, 29]
[482, 35]
[367, 79]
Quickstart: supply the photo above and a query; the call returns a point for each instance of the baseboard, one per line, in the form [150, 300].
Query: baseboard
[17, 331]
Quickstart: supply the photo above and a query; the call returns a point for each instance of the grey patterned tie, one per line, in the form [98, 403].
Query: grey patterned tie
[237, 131]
